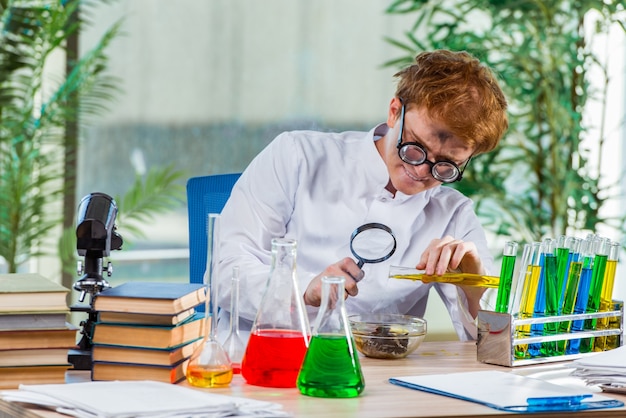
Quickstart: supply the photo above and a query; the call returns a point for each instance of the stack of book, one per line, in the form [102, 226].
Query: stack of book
[34, 335]
[147, 331]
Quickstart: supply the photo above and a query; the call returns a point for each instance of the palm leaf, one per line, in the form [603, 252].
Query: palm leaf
[32, 119]
[538, 182]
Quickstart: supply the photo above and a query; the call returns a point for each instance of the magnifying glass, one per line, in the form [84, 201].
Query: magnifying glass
[372, 243]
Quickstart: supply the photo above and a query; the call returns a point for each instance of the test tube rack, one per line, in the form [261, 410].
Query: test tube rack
[497, 337]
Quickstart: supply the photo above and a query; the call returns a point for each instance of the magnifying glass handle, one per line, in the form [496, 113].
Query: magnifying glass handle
[360, 263]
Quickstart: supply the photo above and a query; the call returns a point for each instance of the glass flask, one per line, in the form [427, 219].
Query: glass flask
[280, 333]
[331, 367]
[209, 366]
[234, 344]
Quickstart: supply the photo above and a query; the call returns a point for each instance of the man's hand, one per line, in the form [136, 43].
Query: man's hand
[452, 255]
[346, 268]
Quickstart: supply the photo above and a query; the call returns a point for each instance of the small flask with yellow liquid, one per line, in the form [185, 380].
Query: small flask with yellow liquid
[210, 366]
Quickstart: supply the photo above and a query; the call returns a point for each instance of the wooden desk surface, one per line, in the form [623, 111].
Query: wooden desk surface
[380, 398]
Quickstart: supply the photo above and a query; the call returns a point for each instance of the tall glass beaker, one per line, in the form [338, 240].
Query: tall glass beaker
[280, 334]
[331, 367]
[234, 344]
[209, 366]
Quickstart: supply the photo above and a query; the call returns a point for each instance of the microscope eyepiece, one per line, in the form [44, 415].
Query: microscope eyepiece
[95, 230]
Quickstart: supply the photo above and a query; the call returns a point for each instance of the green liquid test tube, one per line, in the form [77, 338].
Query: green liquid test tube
[571, 290]
[563, 258]
[606, 298]
[506, 276]
[551, 285]
[595, 291]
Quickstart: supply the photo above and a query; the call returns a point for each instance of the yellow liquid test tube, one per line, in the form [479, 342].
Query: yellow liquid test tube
[606, 297]
[465, 279]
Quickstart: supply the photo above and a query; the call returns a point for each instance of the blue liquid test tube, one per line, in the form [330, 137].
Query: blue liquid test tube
[552, 288]
[573, 346]
[540, 301]
[595, 290]
[571, 289]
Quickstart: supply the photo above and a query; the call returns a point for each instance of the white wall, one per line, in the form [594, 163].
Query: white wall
[197, 60]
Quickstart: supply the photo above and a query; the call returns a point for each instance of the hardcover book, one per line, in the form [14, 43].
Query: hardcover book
[33, 357]
[33, 320]
[29, 292]
[141, 318]
[64, 337]
[142, 355]
[149, 336]
[128, 371]
[13, 377]
[151, 297]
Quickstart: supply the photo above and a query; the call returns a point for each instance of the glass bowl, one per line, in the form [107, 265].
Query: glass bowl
[387, 336]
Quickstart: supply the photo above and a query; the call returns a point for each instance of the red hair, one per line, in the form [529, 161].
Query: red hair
[459, 91]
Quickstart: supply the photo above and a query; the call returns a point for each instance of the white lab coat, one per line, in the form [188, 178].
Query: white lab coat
[317, 188]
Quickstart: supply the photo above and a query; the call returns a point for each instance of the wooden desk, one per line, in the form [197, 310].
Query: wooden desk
[382, 399]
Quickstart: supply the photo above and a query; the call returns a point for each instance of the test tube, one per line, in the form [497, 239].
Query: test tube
[528, 297]
[573, 346]
[522, 275]
[552, 287]
[606, 298]
[540, 302]
[595, 290]
[563, 260]
[509, 255]
[615, 322]
[571, 289]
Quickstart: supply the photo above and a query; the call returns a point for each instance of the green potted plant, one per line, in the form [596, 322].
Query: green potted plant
[538, 182]
[36, 108]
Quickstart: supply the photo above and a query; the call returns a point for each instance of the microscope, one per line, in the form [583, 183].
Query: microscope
[95, 238]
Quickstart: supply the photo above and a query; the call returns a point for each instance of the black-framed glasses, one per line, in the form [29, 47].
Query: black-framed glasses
[413, 153]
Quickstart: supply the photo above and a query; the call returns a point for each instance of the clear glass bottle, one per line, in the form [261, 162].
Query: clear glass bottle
[280, 333]
[209, 366]
[234, 344]
[331, 367]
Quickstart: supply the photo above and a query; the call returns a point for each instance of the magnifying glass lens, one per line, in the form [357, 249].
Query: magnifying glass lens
[372, 243]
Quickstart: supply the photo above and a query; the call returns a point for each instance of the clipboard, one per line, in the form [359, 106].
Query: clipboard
[508, 392]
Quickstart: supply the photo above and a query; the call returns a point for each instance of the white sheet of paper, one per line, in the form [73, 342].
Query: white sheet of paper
[121, 399]
[496, 389]
[613, 359]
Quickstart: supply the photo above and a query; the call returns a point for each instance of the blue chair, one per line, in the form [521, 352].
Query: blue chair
[205, 194]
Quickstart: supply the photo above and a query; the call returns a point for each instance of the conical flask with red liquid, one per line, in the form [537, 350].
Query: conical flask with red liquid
[280, 334]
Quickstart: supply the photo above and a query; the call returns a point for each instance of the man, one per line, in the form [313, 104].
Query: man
[319, 187]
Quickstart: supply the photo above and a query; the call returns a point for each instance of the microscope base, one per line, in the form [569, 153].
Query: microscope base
[80, 359]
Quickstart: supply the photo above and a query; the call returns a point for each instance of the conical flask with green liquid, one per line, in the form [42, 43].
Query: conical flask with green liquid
[331, 367]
